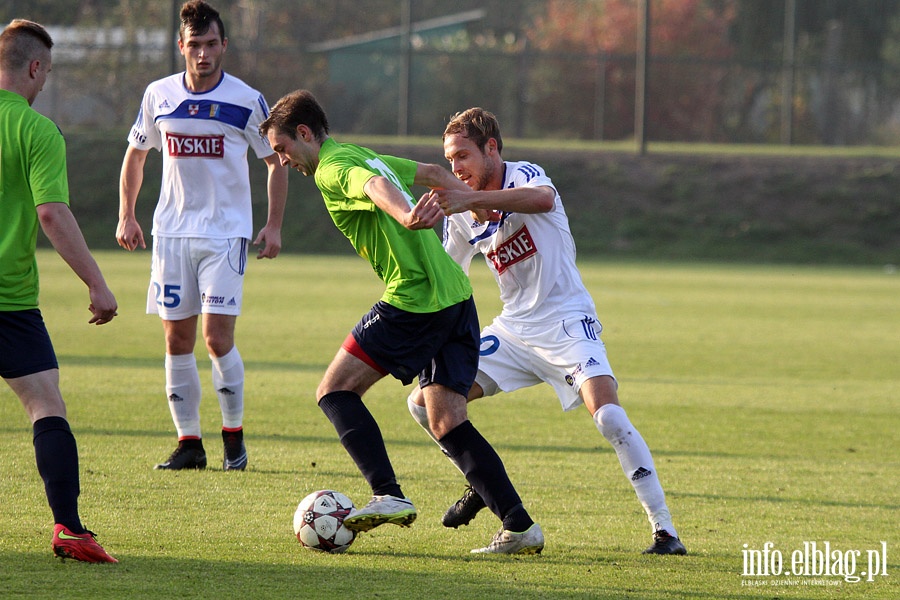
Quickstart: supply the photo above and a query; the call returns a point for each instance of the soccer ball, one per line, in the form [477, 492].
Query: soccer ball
[319, 522]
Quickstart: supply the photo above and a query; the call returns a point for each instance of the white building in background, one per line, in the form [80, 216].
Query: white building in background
[94, 69]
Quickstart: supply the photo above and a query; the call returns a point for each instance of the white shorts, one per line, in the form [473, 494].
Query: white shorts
[564, 354]
[190, 276]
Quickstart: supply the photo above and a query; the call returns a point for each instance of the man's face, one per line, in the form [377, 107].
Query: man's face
[203, 54]
[299, 153]
[470, 165]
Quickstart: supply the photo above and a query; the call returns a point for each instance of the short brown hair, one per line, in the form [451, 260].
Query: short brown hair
[197, 16]
[21, 42]
[299, 107]
[476, 124]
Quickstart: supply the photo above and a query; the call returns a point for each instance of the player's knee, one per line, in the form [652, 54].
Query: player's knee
[597, 392]
[219, 345]
[446, 416]
[416, 397]
[415, 402]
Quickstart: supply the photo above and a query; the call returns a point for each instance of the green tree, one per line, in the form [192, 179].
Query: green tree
[688, 42]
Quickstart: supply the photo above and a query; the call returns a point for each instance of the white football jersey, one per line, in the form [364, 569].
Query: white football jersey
[204, 139]
[532, 256]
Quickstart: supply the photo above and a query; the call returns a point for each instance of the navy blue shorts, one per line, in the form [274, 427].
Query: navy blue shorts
[25, 343]
[441, 347]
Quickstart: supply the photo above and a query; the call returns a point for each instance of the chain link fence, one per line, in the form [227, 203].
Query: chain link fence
[409, 80]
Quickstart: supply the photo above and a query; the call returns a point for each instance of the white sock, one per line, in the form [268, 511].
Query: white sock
[420, 414]
[228, 380]
[637, 463]
[183, 392]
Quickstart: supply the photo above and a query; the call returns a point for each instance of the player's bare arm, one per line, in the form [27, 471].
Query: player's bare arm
[269, 238]
[60, 227]
[128, 232]
[437, 177]
[520, 200]
[424, 215]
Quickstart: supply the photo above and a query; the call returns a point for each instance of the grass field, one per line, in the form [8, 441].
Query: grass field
[768, 396]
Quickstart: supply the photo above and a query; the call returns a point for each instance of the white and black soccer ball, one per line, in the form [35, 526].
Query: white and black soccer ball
[319, 522]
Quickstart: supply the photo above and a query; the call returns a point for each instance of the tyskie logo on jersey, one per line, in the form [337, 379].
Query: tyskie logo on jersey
[195, 146]
[515, 249]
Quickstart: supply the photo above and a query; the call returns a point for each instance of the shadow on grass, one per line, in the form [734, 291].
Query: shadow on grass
[425, 442]
[781, 500]
[352, 575]
[80, 360]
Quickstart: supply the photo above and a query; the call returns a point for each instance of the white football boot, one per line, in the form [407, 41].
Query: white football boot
[530, 541]
[381, 510]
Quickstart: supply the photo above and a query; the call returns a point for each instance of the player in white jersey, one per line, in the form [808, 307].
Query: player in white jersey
[548, 330]
[203, 121]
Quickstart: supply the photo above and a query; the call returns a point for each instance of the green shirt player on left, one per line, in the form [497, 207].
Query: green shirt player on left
[34, 192]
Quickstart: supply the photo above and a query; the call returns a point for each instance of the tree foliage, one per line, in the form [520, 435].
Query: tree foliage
[758, 29]
[684, 93]
[548, 67]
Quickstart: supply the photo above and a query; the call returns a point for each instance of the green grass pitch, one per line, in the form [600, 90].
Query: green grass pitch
[768, 396]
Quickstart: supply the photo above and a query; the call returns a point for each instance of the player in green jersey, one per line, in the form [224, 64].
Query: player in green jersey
[425, 324]
[34, 191]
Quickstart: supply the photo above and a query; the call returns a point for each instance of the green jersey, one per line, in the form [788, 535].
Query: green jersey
[32, 172]
[419, 274]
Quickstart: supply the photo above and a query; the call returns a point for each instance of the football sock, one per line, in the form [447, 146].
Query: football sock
[232, 439]
[361, 437]
[420, 414]
[484, 470]
[183, 391]
[56, 454]
[191, 442]
[228, 380]
[637, 463]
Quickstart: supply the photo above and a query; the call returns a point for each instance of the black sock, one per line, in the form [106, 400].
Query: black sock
[57, 462]
[485, 472]
[191, 443]
[361, 437]
[232, 441]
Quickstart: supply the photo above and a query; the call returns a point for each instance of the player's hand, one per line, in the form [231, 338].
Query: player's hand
[483, 215]
[424, 215]
[129, 234]
[451, 201]
[269, 240]
[103, 305]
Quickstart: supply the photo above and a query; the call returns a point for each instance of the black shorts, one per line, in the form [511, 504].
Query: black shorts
[25, 344]
[441, 347]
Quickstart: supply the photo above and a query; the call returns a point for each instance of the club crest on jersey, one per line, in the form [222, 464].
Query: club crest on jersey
[193, 109]
[518, 247]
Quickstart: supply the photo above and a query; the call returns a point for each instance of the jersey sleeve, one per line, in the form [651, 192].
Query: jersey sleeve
[257, 141]
[527, 174]
[404, 168]
[343, 185]
[456, 241]
[47, 176]
[144, 134]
